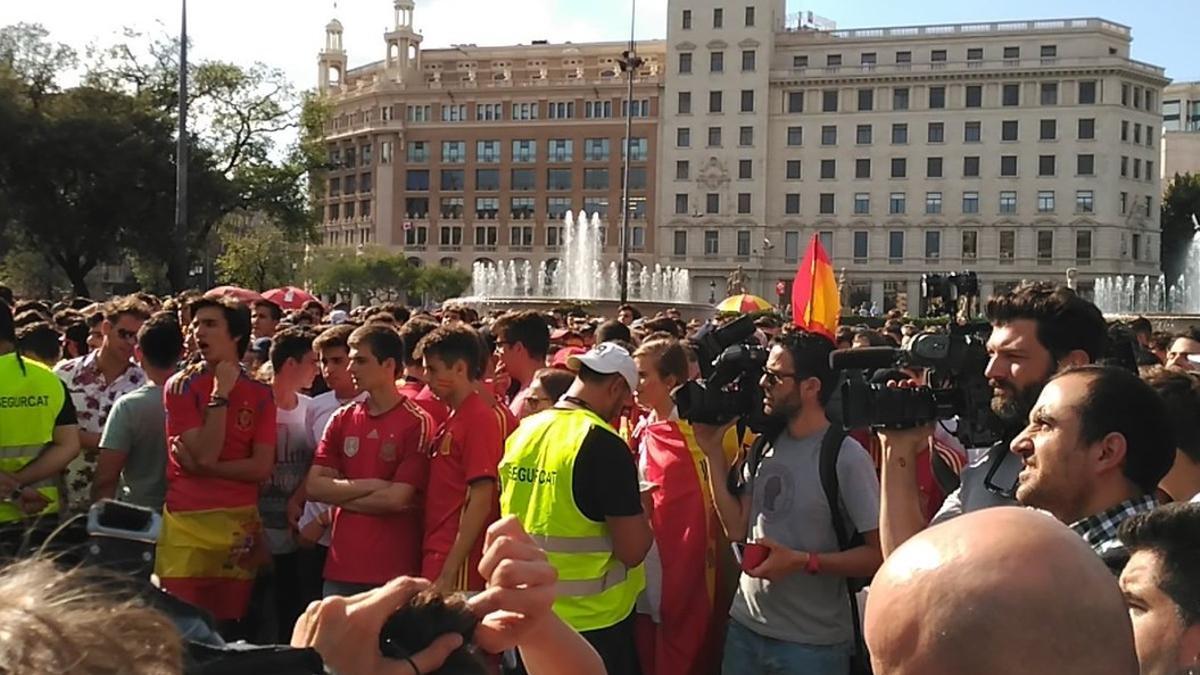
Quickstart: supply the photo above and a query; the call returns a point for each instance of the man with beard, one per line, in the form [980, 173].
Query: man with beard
[792, 613]
[1037, 329]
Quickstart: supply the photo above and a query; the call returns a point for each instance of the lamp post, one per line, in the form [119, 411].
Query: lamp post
[181, 158]
[712, 292]
[629, 63]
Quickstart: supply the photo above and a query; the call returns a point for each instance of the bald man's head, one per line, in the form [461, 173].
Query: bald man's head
[996, 592]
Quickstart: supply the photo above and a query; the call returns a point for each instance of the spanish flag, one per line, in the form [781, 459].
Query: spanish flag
[815, 302]
[687, 532]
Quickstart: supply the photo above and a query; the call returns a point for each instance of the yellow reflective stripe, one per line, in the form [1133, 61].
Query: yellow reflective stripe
[615, 575]
[552, 544]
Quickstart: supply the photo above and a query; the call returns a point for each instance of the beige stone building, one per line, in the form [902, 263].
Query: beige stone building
[1181, 130]
[474, 153]
[1016, 149]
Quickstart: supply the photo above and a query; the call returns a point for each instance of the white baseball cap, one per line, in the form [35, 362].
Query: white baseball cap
[338, 316]
[608, 358]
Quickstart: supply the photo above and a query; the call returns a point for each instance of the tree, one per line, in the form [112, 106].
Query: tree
[372, 274]
[1181, 204]
[257, 257]
[440, 283]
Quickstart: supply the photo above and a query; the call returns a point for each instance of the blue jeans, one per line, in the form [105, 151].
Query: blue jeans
[748, 653]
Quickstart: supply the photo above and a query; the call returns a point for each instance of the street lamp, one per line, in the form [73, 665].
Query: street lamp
[712, 292]
[629, 63]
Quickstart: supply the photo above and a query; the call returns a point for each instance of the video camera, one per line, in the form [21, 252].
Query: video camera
[956, 386]
[731, 365]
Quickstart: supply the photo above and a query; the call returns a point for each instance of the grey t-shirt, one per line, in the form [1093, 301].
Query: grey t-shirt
[136, 426]
[972, 493]
[788, 504]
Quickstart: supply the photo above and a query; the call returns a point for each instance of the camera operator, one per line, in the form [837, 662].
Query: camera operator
[1037, 328]
[792, 612]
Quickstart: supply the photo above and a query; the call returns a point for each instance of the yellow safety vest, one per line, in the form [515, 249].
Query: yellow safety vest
[595, 590]
[31, 396]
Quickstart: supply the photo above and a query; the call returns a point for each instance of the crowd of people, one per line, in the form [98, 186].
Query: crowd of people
[317, 469]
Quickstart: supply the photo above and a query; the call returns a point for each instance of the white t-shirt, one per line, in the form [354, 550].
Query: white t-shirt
[321, 408]
[1195, 499]
[293, 456]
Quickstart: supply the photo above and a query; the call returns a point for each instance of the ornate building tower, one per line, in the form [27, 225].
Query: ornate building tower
[403, 44]
[331, 62]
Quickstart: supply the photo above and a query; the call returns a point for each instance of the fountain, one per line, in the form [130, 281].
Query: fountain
[1130, 295]
[579, 276]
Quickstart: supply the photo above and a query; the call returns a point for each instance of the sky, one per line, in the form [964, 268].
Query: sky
[288, 33]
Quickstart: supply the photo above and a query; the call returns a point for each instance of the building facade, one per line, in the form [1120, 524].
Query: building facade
[1016, 150]
[475, 153]
[1181, 130]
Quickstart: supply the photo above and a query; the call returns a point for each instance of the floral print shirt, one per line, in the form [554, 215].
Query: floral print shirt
[93, 398]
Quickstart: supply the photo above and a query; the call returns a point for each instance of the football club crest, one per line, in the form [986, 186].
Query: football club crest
[387, 451]
[350, 446]
[245, 419]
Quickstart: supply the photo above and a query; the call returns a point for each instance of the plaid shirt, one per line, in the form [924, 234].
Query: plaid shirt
[1100, 530]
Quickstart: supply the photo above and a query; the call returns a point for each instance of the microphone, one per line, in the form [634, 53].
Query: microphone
[863, 358]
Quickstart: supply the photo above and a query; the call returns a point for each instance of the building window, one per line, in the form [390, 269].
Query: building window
[1124, 167]
[970, 202]
[866, 99]
[971, 167]
[862, 168]
[714, 137]
[933, 203]
[748, 58]
[795, 101]
[933, 167]
[833, 60]
[558, 179]
[896, 246]
[828, 169]
[862, 203]
[1049, 93]
[791, 203]
[970, 244]
[745, 136]
[454, 113]
[1124, 202]
[680, 247]
[937, 97]
[862, 134]
[1085, 165]
[900, 98]
[1137, 133]
[829, 134]
[524, 151]
[899, 167]
[451, 235]
[868, 59]
[829, 100]
[1008, 202]
[937, 55]
[603, 109]
[487, 152]
[486, 236]
[1045, 201]
[453, 180]
[904, 57]
[560, 150]
[792, 169]
[595, 179]
[1012, 52]
[715, 101]
[974, 97]
[743, 243]
[1136, 245]
[1045, 247]
[521, 236]
[682, 169]
[1008, 245]
[743, 202]
[595, 149]
[521, 208]
[557, 207]
[712, 242]
[488, 112]
[1010, 94]
[1008, 165]
[896, 203]
[452, 208]
[685, 63]
[712, 203]
[800, 61]
[416, 181]
[525, 111]
[1049, 51]
[487, 180]
[683, 137]
[749, 17]
[718, 18]
[1087, 92]
[937, 132]
[1048, 130]
[684, 104]
[1087, 128]
[1009, 130]
[681, 203]
[597, 205]
[861, 246]
[454, 152]
[523, 180]
[418, 113]
[899, 134]
[745, 169]
[1083, 247]
[487, 208]
[1046, 165]
[687, 19]
[795, 136]
[716, 62]
[972, 132]
[1084, 201]
[385, 152]
[826, 203]
[418, 152]
[933, 245]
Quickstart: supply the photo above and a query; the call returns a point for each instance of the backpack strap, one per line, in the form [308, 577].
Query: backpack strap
[831, 449]
[749, 464]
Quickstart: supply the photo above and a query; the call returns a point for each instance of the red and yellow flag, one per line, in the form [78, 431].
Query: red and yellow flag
[815, 302]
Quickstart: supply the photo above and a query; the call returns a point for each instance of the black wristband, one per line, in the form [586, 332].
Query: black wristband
[218, 402]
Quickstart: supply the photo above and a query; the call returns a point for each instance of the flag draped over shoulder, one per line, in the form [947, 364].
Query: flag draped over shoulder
[686, 531]
[815, 301]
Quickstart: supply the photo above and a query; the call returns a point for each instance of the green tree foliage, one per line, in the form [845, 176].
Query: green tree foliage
[375, 275]
[1181, 203]
[440, 283]
[258, 257]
